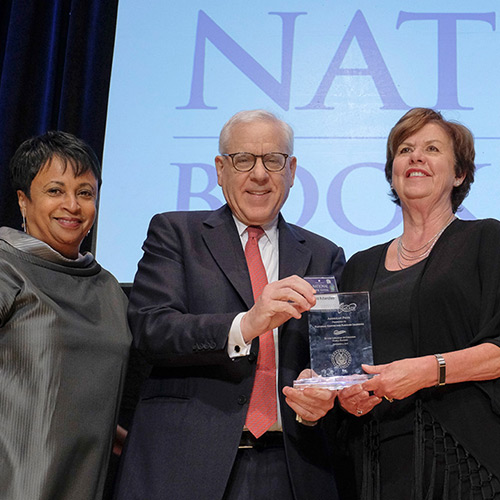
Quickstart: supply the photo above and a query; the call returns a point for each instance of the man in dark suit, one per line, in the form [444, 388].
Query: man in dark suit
[194, 315]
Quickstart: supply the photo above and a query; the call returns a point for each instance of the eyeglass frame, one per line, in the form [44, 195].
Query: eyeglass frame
[232, 155]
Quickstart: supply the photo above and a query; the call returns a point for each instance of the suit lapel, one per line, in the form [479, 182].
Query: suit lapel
[222, 239]
[294, 255]
[294, 259]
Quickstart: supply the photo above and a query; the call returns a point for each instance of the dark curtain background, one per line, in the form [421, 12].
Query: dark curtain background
[55, 67]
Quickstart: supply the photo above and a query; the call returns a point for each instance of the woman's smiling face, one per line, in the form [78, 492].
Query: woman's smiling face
[424, 167]
[61, 208]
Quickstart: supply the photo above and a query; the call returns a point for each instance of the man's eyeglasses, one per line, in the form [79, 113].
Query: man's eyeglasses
[244, 162]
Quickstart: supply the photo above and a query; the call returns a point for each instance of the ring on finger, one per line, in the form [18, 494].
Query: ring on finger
[389, 399]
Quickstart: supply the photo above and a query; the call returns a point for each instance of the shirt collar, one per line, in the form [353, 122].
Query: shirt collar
[270, 229]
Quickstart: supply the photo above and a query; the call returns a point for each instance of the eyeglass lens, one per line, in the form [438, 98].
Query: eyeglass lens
[272, 161]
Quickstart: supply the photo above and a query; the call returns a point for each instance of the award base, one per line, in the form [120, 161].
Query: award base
[332, 383]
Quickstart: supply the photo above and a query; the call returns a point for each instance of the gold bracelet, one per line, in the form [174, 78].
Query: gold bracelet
[441, 370]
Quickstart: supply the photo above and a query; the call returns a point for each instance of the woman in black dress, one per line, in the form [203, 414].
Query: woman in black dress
[427, 425]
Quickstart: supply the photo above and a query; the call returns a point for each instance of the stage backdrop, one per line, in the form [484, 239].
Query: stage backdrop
[341, 73]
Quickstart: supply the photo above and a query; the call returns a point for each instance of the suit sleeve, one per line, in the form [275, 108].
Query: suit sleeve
[171, 328]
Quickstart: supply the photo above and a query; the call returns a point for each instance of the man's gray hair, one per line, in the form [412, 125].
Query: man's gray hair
[254, 115]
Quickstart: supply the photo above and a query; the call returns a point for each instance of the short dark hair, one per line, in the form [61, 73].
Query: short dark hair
[35, 153]
[461, 138]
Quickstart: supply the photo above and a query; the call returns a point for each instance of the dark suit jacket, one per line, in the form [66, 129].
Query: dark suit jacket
[191, 283]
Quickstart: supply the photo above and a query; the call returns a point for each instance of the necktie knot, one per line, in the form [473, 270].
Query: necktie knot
[255, 232]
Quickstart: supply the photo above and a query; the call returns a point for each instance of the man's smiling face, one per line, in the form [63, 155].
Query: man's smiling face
[256, 197]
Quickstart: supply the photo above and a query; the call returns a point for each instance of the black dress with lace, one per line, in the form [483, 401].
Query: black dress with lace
[401, 450]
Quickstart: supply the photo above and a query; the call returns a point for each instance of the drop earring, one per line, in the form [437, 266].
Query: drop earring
[24, 223]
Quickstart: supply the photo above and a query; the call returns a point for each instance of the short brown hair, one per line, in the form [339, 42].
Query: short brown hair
[463, 148]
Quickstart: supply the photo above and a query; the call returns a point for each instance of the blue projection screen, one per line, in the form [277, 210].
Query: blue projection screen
[341, 73]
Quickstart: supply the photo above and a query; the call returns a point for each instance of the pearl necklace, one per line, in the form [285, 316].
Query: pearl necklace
[405, 254]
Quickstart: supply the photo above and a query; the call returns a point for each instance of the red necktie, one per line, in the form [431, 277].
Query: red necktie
[262, 411]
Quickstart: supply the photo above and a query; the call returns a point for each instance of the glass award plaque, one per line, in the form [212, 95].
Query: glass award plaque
[340, 339]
